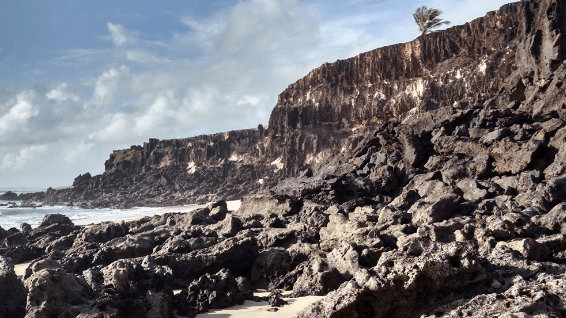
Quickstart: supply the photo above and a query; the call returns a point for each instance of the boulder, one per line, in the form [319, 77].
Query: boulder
[52, 292]
[270, 264]
[57, 218]
[513, 157]
[12, 291]
[210, 291]
[436, 208]
[554, 220]
[236, 254]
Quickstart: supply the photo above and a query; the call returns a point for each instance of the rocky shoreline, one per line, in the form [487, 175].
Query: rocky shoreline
[452, 206]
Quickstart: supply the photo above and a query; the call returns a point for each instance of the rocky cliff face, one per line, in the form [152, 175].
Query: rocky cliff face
[516, 46]
[176, 171]
[510, 54]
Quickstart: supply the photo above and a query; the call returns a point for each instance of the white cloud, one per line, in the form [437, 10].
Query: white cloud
[19, 114]
[81, 149]
[63, 93]
[17, 160]
[144, 57]
[120, 35]
[258, 27]
[108, 83]
[115, 131]
[159, 114]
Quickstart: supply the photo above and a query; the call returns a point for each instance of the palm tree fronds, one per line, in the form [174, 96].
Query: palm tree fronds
[427, 19]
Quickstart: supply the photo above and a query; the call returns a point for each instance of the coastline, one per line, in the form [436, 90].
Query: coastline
[14, 217]
[249, 309]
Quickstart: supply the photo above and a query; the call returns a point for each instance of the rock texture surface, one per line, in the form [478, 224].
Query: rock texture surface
[424, 179]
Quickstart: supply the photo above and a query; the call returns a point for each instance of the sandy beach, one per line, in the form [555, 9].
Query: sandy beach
[20, 269]
[252, 309]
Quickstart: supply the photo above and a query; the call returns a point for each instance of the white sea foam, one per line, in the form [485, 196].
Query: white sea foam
[13, 217]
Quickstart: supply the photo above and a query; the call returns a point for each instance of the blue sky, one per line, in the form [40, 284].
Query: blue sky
[81, 78]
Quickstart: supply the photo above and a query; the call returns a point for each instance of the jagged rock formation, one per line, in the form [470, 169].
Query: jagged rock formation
[445, 201]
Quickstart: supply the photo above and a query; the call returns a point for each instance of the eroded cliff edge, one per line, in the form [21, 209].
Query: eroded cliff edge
[509, 54]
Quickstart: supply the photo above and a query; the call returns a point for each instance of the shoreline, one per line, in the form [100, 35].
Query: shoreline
[85, 217]
[232, 205]
[249, 309]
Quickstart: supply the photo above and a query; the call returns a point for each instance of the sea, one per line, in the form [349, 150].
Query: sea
[13, 217]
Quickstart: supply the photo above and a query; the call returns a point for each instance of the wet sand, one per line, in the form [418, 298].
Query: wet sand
[20, 269]
[252, 309]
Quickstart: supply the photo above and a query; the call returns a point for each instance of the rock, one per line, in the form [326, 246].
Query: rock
[15, 240]
[218, 213]
[512, 157]
[556, 144]
[495, 136]
[341, 229]
[103, 232]
[529, 180]
[317, 279]
[554, 243]
[12, 291]
[519, 298]
[26, 228]
[276, 299]
[527, 248]
[441, 265]
[129, 287]
[422, 179]
[3, 234]
[390, 216]
[54, 293]
[214, 291]
[27, 204]
[161, 305]
[261, 205]
[555, 190]
[554, 220]
[245, 287]
[345, 259]
[230, 226]
[405, 200]
[434, 208]
[236, 254]
[58, 219]
[270, 264]
[9, 196]
[471, 189]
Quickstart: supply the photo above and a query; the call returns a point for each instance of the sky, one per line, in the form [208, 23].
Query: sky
[79, 79]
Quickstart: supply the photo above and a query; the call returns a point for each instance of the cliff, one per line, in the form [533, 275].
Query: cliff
[509, 55]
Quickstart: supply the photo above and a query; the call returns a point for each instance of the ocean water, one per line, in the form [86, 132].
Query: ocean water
[13, 217]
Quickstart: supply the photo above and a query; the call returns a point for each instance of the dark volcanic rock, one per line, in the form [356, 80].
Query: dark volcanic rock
[236, 254]
[12, 291]
[9, 196]
[52, 292]
[210, 291]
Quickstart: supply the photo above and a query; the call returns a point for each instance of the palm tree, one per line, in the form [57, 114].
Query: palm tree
[427, 19]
